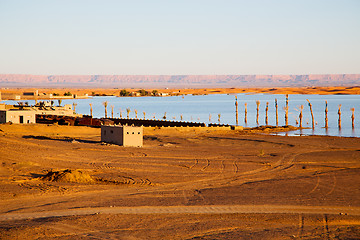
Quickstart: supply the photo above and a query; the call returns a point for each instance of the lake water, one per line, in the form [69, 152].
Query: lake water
[198, 109]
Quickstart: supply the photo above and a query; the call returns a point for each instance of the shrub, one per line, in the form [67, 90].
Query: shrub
[124, 93]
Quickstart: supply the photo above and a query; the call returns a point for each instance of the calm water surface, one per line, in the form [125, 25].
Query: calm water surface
[200, 108]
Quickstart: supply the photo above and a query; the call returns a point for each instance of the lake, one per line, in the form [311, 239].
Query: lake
[199, 108]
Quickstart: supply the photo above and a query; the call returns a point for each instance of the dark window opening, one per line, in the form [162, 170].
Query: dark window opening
[21, 119]
[138, 132]
[133, 132]
[111, 131]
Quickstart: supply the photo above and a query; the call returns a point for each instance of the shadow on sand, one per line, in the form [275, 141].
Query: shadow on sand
[62, 139]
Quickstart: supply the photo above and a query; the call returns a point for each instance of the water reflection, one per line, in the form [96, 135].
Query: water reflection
[353, 133]
[301, 132]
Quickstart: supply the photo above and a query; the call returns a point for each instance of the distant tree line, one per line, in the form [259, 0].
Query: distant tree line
[142, 92]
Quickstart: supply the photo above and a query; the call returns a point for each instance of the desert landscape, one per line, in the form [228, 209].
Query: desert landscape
[179, 120]
[61, 182]
[60, 86]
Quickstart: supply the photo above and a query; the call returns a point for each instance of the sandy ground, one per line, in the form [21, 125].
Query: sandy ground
[196, 91]
[185, 183]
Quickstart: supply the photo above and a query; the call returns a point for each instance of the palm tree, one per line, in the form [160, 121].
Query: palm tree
[91, 110]
[135, 113]
[311, 111]
[105, 104]
[339, 113]
[257, 111]
[59, 101]
[245, 116]
[74, 106]
[287, 110]
[236, 111]
[112, 111]
[128, 112]
[144, 114]
[326, 115]
[266, 113]
[276, 112]
[301, 115]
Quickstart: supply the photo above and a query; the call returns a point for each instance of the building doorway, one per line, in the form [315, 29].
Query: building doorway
[21, 119]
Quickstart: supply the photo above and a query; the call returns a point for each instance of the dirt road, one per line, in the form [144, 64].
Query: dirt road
[284, 209]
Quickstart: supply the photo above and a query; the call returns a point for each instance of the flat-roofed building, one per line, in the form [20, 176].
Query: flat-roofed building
[47, 109]
[33, 93]
[23, 113]
[17, 116]
[127, 136]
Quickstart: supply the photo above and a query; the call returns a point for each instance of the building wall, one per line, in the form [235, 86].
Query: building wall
[112, 134]
[132, 136]
[128, 136]
[15, 116]
[2, 116]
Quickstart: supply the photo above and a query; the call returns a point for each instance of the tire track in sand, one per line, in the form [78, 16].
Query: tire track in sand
[205, 209]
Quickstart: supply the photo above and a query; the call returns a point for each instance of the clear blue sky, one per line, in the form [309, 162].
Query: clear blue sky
[179, 36]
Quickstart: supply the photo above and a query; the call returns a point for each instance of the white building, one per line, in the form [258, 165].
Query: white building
[65, 110]
[17, 116]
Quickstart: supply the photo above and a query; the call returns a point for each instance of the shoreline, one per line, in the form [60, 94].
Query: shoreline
[59, 93]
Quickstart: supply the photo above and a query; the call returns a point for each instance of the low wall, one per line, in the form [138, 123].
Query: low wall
[89, 121]
[155, 123]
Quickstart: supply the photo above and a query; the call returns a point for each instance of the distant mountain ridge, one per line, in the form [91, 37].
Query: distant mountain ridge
[25, 80]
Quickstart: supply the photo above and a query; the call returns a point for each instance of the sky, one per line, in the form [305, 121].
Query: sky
[171, 37]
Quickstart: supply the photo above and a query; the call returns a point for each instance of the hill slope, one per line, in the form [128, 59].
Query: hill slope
[180, 80]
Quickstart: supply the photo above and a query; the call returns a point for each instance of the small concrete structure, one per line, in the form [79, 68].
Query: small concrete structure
[127, 136]
[17, 116]
[237, 127]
